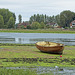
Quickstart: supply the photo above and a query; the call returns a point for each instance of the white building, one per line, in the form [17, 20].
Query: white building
[72, 24]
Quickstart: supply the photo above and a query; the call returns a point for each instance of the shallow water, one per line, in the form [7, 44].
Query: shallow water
[40, 70]
[27, 38]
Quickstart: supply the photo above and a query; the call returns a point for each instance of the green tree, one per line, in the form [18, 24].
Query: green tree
[6, 15]
[66, 17]
[42, 18]
[34, 17]
[42, 25]
[28, 27]
[35, 25]
[57, 19]
[45, 18]
[11, 22]
[31, 19]
[1, 21]
[53, 18]
[20, 18]
[38, 18]
[14, 16]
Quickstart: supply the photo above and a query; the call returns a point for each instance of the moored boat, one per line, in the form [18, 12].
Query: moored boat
[50, 47]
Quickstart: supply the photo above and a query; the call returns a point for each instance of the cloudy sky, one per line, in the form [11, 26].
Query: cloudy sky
[29, 7]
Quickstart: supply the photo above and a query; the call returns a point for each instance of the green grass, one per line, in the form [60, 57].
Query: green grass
[32, 52]
[20, 72]
[38, 31]
[11, 44]
[31, 56]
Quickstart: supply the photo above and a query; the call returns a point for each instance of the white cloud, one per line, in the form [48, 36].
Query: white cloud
[29, 7]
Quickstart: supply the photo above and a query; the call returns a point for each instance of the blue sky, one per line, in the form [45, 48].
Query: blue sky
[29, 7]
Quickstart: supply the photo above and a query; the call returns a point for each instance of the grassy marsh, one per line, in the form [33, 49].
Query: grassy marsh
[21, 72]
[31, 56]
[38, 31]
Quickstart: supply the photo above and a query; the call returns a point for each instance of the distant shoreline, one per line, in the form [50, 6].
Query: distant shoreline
[39, 31]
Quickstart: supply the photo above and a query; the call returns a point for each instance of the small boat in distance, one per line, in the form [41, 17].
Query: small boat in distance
[50, 47]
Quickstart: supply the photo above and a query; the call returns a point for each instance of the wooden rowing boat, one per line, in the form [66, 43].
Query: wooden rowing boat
[50, 47]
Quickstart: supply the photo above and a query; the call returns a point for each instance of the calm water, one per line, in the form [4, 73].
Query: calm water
[27, 38]
[41, 70]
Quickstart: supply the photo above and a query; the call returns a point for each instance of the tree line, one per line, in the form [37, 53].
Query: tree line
[8, 19]
[63, 19]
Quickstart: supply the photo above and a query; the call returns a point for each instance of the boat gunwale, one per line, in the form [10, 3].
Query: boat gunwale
[51, 46]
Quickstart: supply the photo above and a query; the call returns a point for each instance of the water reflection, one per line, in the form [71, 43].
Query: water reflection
[32, 41]
[7, 40]
[26, 38]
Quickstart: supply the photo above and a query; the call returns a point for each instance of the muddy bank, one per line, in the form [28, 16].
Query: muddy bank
[70, 61]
